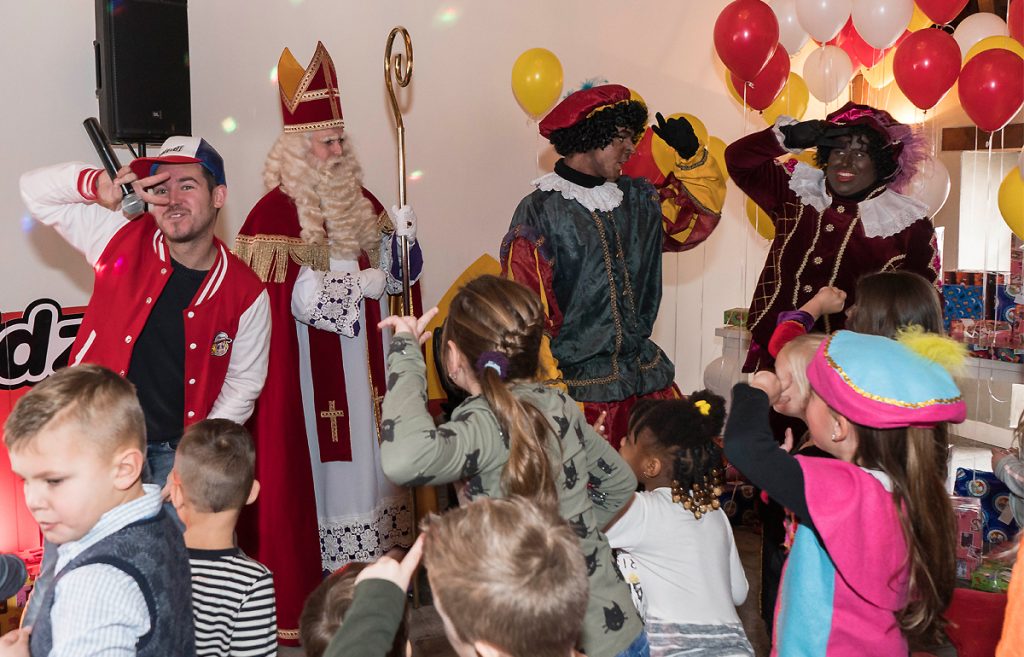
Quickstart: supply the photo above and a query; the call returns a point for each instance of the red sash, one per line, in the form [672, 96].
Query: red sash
[334, 435]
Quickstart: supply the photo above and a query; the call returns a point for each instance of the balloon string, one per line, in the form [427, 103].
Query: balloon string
[746, 242]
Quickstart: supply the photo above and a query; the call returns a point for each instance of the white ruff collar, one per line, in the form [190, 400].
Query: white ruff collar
[882, 216]
[604, 197]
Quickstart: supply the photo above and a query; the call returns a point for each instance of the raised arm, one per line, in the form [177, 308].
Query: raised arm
[413, 452]
[65, 196]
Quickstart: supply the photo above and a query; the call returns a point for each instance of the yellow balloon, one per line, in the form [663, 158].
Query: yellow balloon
[760, 220]
[880, 75]
[995, 43]
[663, 154]
[1011, 201]
[537, 81]
[918, 21]
[716, 147]
[791, 101]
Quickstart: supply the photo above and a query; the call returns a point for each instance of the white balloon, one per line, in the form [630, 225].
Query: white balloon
[976, 27]
[881, 22]
[930, 185]
[827, 71]
[792, 35]
[823, 19]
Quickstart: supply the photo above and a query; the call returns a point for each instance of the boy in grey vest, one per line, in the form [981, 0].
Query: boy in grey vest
[121, 579]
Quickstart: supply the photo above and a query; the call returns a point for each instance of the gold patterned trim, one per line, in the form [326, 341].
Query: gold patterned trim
[616, 319]
[288, 635]
[699, 163]
[891, 265]
[268, 255]
[807, 255]
[884, 400]
[754, 321]
[319, 125]
[839, 261]
[651, 365]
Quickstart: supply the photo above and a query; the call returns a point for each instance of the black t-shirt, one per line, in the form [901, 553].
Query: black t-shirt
[157, 367]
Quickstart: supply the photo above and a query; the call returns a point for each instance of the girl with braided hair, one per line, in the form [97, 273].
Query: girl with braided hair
[513, 435]
[677, 541]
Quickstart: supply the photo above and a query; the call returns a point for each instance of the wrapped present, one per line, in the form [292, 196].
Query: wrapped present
[991, 576]
[737, 500]
[985, 333]
[998, 525]
[962, 302]
[1016, 262]
[969, 541]
[1006, 303]
[736, 317]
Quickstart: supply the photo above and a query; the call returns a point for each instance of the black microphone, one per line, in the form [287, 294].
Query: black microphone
[131, 204]
[13, 574]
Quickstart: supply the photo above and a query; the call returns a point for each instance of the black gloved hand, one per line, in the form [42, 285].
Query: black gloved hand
[677, 133]
[804, 134]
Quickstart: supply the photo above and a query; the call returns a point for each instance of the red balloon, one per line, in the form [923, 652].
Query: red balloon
[926, 65]
[766, 85]
[1015, 19]
[992, 88]
[941, 11]
[746, 36]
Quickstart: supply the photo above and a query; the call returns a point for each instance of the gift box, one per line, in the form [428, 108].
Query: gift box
[998, 525]
[985, 332]
[736, 317]
[969, 541]
[1016, 278]
[1006, 303]
[991, 576]
[962, 302]
[737, 500]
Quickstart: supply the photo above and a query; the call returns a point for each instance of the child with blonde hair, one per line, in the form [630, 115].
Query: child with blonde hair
[872, 561]
[514, 435]
[120, 583]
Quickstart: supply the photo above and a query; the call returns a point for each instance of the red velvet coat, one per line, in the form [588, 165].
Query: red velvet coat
[814, 249]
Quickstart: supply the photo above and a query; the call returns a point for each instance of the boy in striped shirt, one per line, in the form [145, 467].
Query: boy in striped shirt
[232, 595]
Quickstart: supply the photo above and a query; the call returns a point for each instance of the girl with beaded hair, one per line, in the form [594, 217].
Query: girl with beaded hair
[513, 435]
[678, 549]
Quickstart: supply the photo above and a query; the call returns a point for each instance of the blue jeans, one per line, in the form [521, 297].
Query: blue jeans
[639, 648]
[159, 462]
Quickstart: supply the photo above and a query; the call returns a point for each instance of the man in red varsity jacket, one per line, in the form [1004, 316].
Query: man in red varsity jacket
[172, 309]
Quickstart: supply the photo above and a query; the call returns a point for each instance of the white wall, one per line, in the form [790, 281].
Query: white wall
[475, 147]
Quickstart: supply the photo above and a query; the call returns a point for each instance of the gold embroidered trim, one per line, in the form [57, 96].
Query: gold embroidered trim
[268, 255]
[292, 635]
[891, 265]
[320, 125]
[777, 266]
[616, 319]
[839, 261]
[699, 163]
[803, 264]
[652, 364]
[885, 400]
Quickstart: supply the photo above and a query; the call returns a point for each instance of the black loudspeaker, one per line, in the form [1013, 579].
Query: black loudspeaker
[142, 69]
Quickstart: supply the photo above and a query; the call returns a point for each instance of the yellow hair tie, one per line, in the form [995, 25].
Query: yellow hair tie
[703, 407]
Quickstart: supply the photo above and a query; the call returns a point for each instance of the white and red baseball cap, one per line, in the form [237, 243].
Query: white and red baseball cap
[183, 150]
